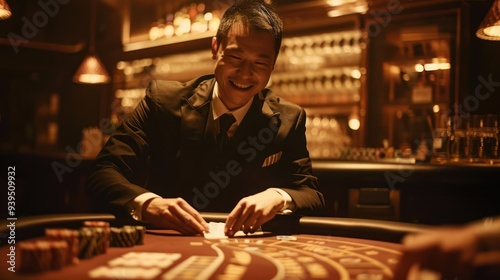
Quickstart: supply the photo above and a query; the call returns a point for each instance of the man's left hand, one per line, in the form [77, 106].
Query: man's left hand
[253, 211]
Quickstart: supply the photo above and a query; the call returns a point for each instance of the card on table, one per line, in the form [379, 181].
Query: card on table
[216, 231]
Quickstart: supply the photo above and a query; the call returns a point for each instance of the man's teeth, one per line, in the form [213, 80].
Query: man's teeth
[241, 85]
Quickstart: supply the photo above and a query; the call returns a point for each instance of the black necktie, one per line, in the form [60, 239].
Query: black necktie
[225, 122]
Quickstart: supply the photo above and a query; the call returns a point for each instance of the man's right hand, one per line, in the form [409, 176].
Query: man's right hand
[174, 213]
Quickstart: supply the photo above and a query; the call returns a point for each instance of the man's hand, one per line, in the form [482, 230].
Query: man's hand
[448, 251]
[174, 213]
[253, 211]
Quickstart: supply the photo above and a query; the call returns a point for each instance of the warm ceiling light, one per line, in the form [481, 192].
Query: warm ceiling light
[91, 71]
[490, 26]
[4, 10]
[346, 7]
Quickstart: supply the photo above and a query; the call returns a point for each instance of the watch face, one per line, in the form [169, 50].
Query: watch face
[285, 212]
[134, 215]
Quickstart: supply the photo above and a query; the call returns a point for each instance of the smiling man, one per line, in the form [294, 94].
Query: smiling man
[217, 143]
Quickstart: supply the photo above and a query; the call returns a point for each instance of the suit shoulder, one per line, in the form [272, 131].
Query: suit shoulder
[157, 88]
[170, 93]
[289, 106]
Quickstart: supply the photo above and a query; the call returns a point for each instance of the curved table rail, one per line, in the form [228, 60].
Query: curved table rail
[361, 228]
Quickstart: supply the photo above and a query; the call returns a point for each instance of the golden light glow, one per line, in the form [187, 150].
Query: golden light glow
[354, 124]
[492, 31]
[489, 29]
[91, 71]
[5, 12]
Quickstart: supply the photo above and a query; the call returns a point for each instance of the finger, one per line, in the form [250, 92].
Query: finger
[231, 219]
[257, 225]
[243, 222]
[173, 222]
[186, 220]
[183, 222]
[415, 257]
[405, 264]
[192, 218]
[249, 224]
[197, 216]
[239, 220]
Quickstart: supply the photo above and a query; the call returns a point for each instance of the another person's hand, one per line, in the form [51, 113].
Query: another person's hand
[253, 211]
[174, 213]
[447, 252]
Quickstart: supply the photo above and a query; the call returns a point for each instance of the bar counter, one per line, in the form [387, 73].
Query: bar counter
[417, 193]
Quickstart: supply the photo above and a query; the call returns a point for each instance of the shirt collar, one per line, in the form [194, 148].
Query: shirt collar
[220, 109]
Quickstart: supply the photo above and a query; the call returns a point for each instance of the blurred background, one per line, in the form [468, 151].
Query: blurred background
[382, 81]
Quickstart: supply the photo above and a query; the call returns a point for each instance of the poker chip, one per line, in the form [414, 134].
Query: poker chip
[42, 255]
[59, 253]
[61, 246]
[103, 232]
[71, 238]
[96, 224]
[125, 236]
[141, 231]
[88, 240]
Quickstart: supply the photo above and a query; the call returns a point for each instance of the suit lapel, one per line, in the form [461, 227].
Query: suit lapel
[261, 116]
[195, 112]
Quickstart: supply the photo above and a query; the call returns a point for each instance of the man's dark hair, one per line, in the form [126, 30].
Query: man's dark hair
[253, 15]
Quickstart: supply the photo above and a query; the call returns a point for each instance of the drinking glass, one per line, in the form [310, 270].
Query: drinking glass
[483, 137]
[459, 141]
[489, 134]
[441, 138]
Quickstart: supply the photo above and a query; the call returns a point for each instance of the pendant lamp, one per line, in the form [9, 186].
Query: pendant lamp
[490, 26]
[5, 12]
[92, 71]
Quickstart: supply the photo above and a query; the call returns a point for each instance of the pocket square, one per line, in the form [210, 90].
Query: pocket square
[272, 159]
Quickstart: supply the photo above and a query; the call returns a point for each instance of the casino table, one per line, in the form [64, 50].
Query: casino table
[312, 248]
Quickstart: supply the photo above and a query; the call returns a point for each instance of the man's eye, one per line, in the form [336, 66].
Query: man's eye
[233, 57]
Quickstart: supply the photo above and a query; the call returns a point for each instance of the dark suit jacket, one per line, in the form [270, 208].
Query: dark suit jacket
[167, 146]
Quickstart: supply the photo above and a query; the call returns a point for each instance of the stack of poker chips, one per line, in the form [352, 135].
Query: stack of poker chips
[61, 247]
[141, 231]
[68, 235]
[42, 255]
[102, 234]
[89, 238]
[127, 236]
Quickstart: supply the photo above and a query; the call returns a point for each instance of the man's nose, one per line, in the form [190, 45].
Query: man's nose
[246, 68]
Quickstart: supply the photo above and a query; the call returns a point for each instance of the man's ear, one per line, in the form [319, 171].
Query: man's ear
[214, 47]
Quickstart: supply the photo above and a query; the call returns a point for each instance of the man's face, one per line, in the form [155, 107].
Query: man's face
[244, 62]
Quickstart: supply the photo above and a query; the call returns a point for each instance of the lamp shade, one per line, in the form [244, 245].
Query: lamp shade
[4, 10]
[91, 71]
[490, 26]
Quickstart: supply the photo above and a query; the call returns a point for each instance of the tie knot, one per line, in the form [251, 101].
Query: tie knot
[225, 122]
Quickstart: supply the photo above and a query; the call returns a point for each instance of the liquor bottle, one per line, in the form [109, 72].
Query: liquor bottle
[422, 90]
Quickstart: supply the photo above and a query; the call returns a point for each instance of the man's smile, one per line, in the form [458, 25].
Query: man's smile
[240, 86]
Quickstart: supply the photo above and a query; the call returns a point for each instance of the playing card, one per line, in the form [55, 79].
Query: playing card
[216, 231]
